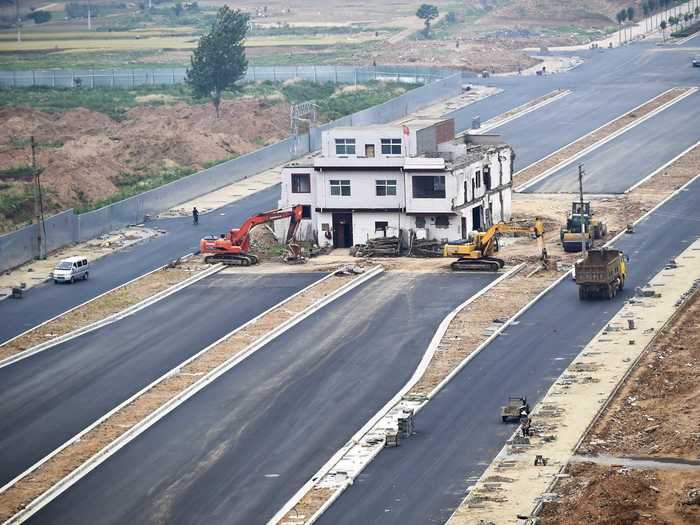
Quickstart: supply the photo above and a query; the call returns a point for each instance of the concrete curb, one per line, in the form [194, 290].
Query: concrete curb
[521, 113]
[547, 173]
[660, 169]
[110, 318]
[93, 462]
[417, 374]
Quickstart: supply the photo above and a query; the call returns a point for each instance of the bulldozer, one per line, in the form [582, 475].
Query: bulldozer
[232, 248]
[476, 252]
[581, 228]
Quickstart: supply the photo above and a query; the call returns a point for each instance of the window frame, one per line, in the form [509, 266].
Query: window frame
[345, 145]
[435, 194]
[340, 185]
[442, 226]
[385, 185]
[391, 146]
[308, 179]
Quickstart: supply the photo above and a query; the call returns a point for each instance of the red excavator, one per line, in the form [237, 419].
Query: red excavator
[232, 248]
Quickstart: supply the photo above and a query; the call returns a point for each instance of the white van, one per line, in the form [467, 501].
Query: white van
[70, 270]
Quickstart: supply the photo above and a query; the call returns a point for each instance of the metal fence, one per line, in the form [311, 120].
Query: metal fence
[129, 78]
[62, 229]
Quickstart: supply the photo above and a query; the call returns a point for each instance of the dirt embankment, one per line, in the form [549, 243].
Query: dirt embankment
[98, 153]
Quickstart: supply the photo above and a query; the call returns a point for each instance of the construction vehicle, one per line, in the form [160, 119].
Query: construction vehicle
[232, 248]
[581, 226]
[514, 408]
[476, 252]
[601, 274]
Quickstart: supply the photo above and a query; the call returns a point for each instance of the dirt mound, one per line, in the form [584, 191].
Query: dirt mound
[86, 155]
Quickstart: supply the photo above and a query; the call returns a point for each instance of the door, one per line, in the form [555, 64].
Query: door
[342, 230]
[476, 218]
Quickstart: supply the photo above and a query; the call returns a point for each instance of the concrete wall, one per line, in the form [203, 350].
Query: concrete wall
[15, 247]
[21, 246]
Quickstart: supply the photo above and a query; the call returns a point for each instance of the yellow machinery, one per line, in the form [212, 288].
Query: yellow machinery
[476, 252]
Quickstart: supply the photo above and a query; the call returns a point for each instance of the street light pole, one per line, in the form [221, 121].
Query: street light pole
[583, 225]
[38, 205]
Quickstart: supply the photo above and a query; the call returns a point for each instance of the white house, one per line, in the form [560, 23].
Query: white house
[386, 180]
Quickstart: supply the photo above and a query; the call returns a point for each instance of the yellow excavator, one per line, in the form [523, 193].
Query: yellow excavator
[476, 253]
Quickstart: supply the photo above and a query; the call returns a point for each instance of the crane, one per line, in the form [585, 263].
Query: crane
[476, 252]
[232, 248]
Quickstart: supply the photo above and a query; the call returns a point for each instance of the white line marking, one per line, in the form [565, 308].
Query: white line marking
[495, 123]
[659, 170]
[130, 310]
[113, 447]
[602, 141]
[417, 374]
[509, 322]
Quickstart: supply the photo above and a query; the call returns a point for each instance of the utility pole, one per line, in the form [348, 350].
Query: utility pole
[89, 16]
[583, 224]
[38, 206]
[18, 20]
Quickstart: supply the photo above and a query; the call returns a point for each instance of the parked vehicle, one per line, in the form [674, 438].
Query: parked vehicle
[71, 269]
[601, 274]
[696, 61]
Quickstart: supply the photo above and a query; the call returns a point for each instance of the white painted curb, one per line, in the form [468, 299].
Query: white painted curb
[659, 170]
[173, 403]
[602, 141]
[494, 123]
[447, 379]
[417, 374]
[110, 318]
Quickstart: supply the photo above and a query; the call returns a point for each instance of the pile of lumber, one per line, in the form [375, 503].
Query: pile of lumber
[426, 248]
[379, 247]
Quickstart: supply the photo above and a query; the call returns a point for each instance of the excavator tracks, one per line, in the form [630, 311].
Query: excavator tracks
[485, 264]
[230, 259]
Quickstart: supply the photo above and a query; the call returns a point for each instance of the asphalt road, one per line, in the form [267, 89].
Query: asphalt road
[48, 300]
[460, 432]
[624, 161]
[235, 452]
[51, 396]
[610, 83]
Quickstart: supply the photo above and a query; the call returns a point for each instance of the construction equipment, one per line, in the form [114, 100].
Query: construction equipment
[601, 274]
[514, 408]
[232, 248]
[476, 253]
[581, 226]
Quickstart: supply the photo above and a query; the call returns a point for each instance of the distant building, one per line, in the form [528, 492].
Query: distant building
[388, 179]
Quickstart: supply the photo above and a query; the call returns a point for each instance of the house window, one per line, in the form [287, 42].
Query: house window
[391, 146]
[478, 179]
[442, 222]
[306, 212]
[344, 146]
[340, 188]
[487, 177]
[301, 183]
[428, 187]
[420, 222]
[381, 226]
[386, 188]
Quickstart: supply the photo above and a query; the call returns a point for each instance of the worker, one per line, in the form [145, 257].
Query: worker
[195, 215]
[525, 423]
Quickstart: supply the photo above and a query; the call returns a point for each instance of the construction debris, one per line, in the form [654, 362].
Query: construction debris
[379, 247]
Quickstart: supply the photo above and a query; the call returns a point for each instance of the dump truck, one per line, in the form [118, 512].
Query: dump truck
[601, 274]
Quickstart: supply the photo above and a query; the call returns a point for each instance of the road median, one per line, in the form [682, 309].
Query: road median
[33, 489]
[545, 167]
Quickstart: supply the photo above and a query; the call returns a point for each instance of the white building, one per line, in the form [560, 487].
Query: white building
[386, 180]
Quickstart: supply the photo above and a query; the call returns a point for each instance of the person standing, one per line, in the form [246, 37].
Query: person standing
[195, 215]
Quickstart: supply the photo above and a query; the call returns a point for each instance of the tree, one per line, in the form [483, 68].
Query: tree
[40, 17]
[219, 60]
[427, 12]
[630, 17]
[645, 11]
[663, 26]
[621, 17]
